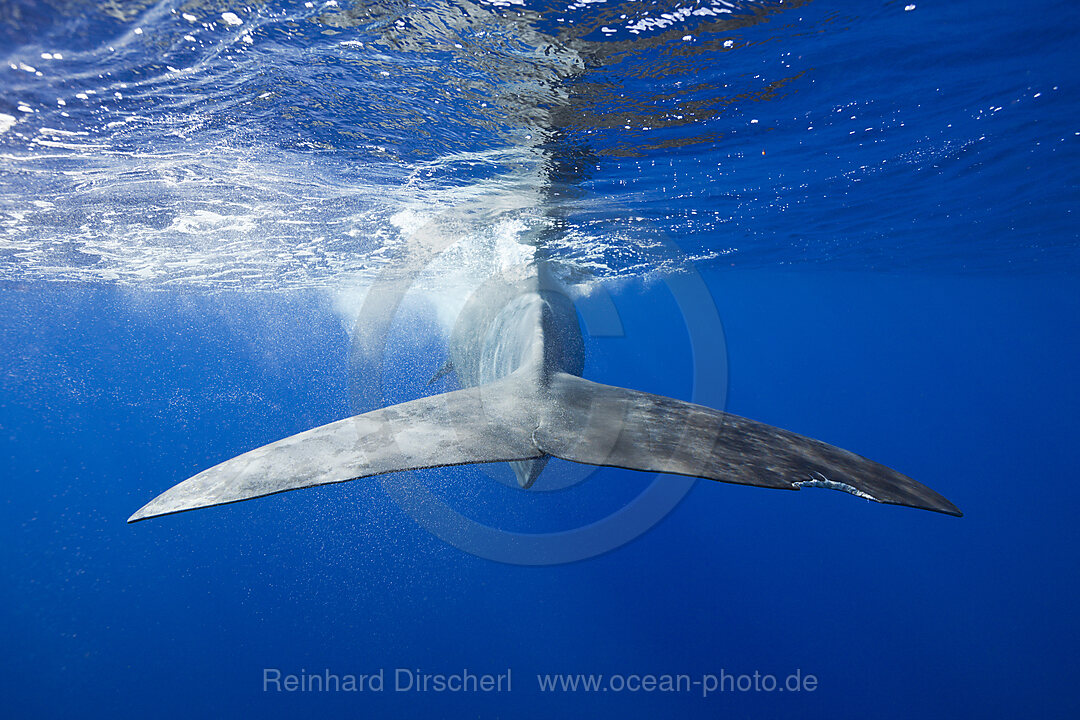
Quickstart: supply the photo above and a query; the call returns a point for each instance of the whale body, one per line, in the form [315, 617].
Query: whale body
[518, 353]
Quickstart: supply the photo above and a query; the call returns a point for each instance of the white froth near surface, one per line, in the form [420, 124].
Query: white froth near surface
[441, 263]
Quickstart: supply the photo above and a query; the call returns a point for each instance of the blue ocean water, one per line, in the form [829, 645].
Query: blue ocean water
[197, 198]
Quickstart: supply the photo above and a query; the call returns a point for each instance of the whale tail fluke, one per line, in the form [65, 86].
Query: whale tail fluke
[474, 425]
[569, 418]
[617, 427]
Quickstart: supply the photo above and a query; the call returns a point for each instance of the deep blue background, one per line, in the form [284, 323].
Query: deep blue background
[965, 383]
[902, 284]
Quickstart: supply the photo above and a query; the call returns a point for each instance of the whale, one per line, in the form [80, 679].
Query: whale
[517, 351]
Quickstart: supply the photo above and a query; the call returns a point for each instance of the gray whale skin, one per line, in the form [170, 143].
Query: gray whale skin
[517, 351]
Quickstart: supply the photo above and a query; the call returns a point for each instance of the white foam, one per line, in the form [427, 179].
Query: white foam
[443, 257]
[68, 145]
[822, 482]
[203, 221]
